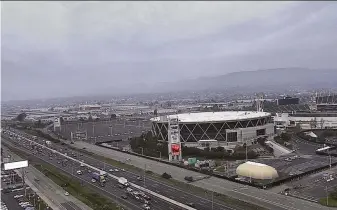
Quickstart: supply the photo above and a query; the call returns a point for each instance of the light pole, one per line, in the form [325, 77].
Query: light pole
[110, 130]
[93, 129]
[212, 200]
[246, 151]
[144, 174]
[327, 196]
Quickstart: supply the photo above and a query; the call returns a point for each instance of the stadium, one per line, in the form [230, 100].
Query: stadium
[214, 129]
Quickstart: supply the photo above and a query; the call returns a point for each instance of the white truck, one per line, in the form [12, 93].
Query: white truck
[123, 181]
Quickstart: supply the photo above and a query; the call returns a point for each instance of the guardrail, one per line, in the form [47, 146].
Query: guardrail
[110, 175]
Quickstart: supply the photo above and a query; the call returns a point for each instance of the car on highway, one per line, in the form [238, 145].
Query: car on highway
[18, 196]
[139, 178]
[79, 172]
[147, 207]
[191, 205]
[66, 193]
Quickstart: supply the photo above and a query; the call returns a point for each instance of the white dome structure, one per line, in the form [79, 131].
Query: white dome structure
[256, 171]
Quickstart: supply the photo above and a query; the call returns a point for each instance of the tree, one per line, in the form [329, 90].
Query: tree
[61, 120]
[113, 116]
[90, 118]
[21, 117]
[155, 112]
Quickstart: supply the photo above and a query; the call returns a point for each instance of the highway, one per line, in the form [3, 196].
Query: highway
[111, 188]
[267, 199]
[52, 193]
[163, 189]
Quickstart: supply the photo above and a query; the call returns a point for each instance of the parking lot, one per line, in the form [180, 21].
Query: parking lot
[107, 130]
[315, 186]
[16, 196]
[293, 164]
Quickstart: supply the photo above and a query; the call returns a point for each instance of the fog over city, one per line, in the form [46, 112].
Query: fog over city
[54, 49]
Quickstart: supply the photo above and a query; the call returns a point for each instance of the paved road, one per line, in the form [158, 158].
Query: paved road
[263, 198]
[107, 130]
[151, 184]
[111, 188]
[50, 189]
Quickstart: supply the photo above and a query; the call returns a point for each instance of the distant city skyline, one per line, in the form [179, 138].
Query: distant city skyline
[60, 49]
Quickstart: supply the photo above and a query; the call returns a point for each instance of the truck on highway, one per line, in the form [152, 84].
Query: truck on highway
[98, 177]
[122, 181]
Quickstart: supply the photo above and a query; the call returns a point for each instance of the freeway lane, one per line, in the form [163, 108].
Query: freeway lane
[202, 203]
[110, 188]
[253, 195]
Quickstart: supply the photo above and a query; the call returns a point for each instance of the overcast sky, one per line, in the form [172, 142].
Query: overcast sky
[52, 49]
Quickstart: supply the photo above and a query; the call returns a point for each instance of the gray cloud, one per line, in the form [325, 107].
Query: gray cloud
[76, 48]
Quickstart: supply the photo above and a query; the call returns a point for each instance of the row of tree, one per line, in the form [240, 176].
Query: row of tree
[149, 145]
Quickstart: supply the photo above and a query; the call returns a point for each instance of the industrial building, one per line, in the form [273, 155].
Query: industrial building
[288, 101]
[315, 120]
[214, 129]
[326, 103]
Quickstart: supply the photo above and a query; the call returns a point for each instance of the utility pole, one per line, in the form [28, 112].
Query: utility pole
[246, 151]
[212, 200]
[93, 129]
[327, 196]
[110, 130]
[144, 174]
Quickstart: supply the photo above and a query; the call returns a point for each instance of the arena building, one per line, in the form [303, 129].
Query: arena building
[214, 129]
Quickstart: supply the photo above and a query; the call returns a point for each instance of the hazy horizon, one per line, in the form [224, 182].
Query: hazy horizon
[62, 49]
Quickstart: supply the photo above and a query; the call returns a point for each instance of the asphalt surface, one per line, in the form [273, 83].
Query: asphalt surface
[108, 130]
[267, 199]
[53, 194]
[314, 186]
[15, 188]
[112, 188]
[263, 198]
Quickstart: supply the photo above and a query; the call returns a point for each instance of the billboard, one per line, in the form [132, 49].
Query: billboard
[15, 165]
[175, 148]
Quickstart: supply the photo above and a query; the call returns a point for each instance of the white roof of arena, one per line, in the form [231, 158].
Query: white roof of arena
[214, 116]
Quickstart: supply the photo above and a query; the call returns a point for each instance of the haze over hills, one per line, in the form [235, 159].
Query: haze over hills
[269, 78]
[245, 81]
[280, 77]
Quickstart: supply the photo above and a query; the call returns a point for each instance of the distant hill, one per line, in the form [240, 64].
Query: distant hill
[282, 77]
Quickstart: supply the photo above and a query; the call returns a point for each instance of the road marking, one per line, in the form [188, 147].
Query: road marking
[113, 176]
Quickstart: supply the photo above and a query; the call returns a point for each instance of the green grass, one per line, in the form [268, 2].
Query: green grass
[237, 204]
[332, 202]
[74, 187]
